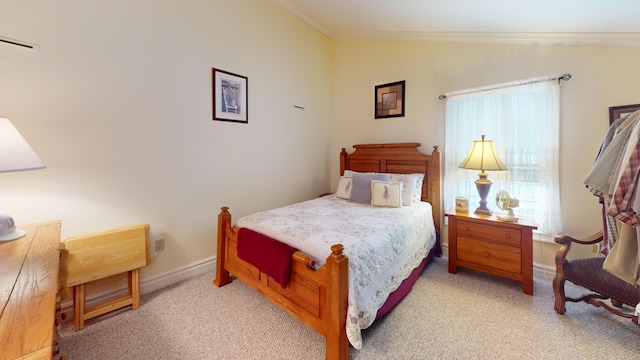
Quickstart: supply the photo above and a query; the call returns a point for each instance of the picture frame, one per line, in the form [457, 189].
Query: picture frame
[616, 112]
[230, 96]
[389, 100]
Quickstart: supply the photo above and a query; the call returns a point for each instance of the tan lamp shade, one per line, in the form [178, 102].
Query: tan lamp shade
[483, 156]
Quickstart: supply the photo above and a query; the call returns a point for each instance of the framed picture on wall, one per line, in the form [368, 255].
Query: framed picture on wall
[230, 96]
[389, 100]
[616, 112]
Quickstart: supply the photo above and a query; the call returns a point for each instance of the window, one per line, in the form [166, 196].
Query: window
[522, 119]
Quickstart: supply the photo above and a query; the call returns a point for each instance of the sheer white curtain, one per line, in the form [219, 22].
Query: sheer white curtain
[522, 118]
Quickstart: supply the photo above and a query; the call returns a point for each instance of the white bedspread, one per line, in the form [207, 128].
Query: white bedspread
[383, 245]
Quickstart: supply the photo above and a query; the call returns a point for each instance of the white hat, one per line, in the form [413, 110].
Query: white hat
[8, 229]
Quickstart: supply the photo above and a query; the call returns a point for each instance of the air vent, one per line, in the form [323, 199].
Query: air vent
[18, 43]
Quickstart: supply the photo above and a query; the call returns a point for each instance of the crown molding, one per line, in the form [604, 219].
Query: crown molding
[551, 38]
[608, 39]
[304, 17]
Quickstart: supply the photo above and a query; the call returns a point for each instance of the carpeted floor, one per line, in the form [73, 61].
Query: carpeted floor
[469, 315]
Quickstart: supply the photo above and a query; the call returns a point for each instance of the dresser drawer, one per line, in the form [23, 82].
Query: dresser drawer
[489, 254]
[489, 232]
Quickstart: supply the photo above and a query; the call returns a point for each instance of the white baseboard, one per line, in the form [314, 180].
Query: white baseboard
[209, 264]
[545, 272]
[148, 285]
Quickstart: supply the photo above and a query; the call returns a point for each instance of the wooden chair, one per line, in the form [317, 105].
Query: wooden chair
[96, 256]
[588, 273]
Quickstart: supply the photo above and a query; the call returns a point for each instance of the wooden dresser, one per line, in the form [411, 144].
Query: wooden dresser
[484, 243]
[29, 268]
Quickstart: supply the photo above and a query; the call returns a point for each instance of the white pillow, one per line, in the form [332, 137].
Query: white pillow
[344, 188]
[386, 193]
[408, 186]
[417, 194]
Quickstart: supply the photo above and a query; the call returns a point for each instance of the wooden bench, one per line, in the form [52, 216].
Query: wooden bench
[91, 257]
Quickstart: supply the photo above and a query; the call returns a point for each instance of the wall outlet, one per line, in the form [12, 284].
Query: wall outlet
[595, 248]
[159, 245]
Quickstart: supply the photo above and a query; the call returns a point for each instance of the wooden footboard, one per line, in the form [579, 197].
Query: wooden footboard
[318, 298]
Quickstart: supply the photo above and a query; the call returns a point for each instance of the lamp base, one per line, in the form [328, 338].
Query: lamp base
[481, 211]
[16, 234]
[483, 185]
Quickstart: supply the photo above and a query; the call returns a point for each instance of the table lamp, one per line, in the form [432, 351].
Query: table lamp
[15, 155]
[483, 156]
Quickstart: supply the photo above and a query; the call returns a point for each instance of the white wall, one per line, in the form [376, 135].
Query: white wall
[117, 103]
[602, 77]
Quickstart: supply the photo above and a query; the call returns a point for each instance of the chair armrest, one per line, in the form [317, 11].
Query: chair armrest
[565, 241]
[593, 239]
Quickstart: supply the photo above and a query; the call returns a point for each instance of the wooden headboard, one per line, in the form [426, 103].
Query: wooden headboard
[400, 158]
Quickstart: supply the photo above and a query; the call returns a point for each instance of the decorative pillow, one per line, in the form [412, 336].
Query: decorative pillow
[408, 186]
[386, 193]
[344, 188]
[361, 187]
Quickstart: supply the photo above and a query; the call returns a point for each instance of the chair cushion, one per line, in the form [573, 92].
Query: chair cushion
[590, 274]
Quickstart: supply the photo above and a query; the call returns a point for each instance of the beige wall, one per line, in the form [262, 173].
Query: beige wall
[117, 103]
[602, 77]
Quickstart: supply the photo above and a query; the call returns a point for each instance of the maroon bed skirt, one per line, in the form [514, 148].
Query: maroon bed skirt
[406, 285]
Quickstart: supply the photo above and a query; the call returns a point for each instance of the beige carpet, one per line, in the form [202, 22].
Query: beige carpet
[469, 315]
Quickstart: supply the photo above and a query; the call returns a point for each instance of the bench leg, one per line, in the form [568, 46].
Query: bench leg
[134, 288]
[79, 298]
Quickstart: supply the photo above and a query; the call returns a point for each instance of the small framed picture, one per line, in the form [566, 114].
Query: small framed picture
[389, 100]
[230, 96]
[616, 112]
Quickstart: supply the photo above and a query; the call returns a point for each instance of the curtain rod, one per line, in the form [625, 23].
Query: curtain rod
[565, 77]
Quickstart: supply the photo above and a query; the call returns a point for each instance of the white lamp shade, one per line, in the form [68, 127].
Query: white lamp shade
[483, 156]
[15, 153]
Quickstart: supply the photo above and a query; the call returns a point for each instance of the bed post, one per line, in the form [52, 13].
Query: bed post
[337, 344]
[343, 161]
[224, 222]
[436, 186]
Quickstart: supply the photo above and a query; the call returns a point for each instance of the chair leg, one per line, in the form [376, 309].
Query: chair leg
[616, 303]
[558, 291]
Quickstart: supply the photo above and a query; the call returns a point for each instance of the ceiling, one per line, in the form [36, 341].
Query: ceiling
[615, 22]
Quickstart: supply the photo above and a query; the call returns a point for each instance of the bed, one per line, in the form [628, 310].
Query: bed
[316, 289]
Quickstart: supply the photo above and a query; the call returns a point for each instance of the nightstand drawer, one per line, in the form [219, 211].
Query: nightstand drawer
[489, 232]
[502, 257]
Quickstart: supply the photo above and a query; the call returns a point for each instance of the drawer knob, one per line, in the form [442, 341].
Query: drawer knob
[466, 228]
[508, 236]
[486, 254]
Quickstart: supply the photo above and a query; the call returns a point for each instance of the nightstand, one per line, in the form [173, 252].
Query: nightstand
[484, 243]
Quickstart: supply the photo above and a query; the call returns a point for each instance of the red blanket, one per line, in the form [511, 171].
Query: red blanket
[270, 256]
